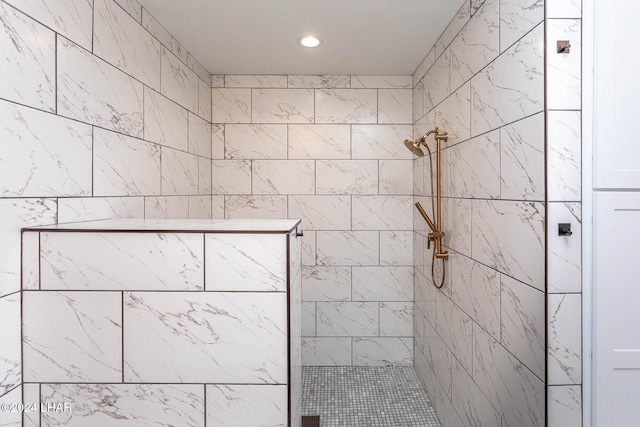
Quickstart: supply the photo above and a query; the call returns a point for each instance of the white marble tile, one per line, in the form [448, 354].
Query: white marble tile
[124, 166]
[84, 344]
[230, 105]
[424, 294]
[217, 141]
[396, 319]
[522, 323]
[247, 405]
[469, 402]
[385, 351]
[245, 141]
[12, 419]
[179, 83]
[457, 214]
[564, 156]
[475, 5]
[321, 81]
[381, 82]
[217, 80]
[283, 177]
[165, 122]
[394, 106]
[346, 177]
[564, 406]
[10, 342]
[30, 260]
[456, 329]
[200, 207]
[43, 155]
[309, 247]
[347, 319]
[419, 248]
[382, 213]
[282, 105]
[255, 80]
[308, 319]
[204, 100]
[28, 70]
[476, 290]
[424, 66]
[231, 176]
[564, 263]
[564, 71]
[321, 212]
[326, 283]
[97, 208]
[475, 167]
[123, 42]
[70, 18]
[380, 141]
[197, 68]
[15, 214]
[31, 394]
[437, 82]
[457, 23]
[382, 284]
[438, 356]
[417, 102]
[564, 9]
[514, 391]
[166, 207]
[564, 325]
[453, 116]
[445, 409]
[319, 141]
[217, 337]
[511, 87]
[517, 18]
[96, 92]
[133, 8]
[326, 351]
[217, 207]
[347, 247]
[129, 404]
[199, 136]
[396, 248]
[121, 261]
[509, 236]
[346, 106]
[204, 176]
[179, 173]
[245, 262]
[477, 44]
[255, 207]
[522, 146]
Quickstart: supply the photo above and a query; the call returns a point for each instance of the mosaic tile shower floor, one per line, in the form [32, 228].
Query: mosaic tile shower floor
[366, 397]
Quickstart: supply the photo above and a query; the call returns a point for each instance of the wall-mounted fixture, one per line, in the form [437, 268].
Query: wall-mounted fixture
[563, 46]
[564, 229]
[436, 235]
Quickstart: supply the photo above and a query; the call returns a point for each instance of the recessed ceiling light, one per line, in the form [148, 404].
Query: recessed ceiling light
[309, 41]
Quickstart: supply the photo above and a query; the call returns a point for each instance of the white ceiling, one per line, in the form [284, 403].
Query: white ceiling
[376, 37]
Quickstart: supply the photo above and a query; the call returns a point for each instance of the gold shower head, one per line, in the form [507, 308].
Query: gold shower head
[414, 147]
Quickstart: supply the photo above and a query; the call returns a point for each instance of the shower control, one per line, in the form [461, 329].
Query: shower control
[564, 229]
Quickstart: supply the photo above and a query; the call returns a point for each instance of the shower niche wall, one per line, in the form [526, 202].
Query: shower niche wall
[163, 322]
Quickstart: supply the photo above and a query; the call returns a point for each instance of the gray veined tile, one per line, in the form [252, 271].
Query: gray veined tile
[565, 339]
[123, 42]
[326, 351]
[255, 206]
[321, 212]
[27, 75]
[204, 176]
[308, 319]
[347, 247]
[165, 122]
[457, 23]
[455, 328]
[231, 176]
[347, 319]
[326, 283]
[255, 141]
[394, 106]
[179, 173]
[511, 87]
[121, 261]
[14, 419]
[283, 176]
[396, 248]
[346, 106]
[469, 401]
[381, 82]
[217, 80]
[564, 9]
[217, 141]
[166, 207]
[247, 405]
[417, 102]
[133, 8]
[197, 68]
[396, 319]
[564, 406]
[346, 177]
[69, 18]
[453, 115]
[319, 141]
[282, 105]
[221, 337]
[204, 100]
[564, 156]
[564, 71]
[383, 351]
[517, 18]
[565, 252]
[130, 404]
[96, 208]
[199, 136]
[437, 81]
[124, 166]
[200, 207]
[255, 81]
[320, 81]
[83, 344]
[178, 82]
[10, 353]
[96, 92]
[424, 66]
[475, 167]
[380, 141]
[382, 284]
[30, 260]
[382, 213]
[230, 105]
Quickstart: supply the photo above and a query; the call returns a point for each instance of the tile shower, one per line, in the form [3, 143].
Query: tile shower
[161, 138]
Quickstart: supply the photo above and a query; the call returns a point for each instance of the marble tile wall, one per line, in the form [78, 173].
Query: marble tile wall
[103, 114]
[328, 149]
[479, 342]
[564, 194]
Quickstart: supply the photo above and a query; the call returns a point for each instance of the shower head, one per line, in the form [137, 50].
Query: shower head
[414, 147]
